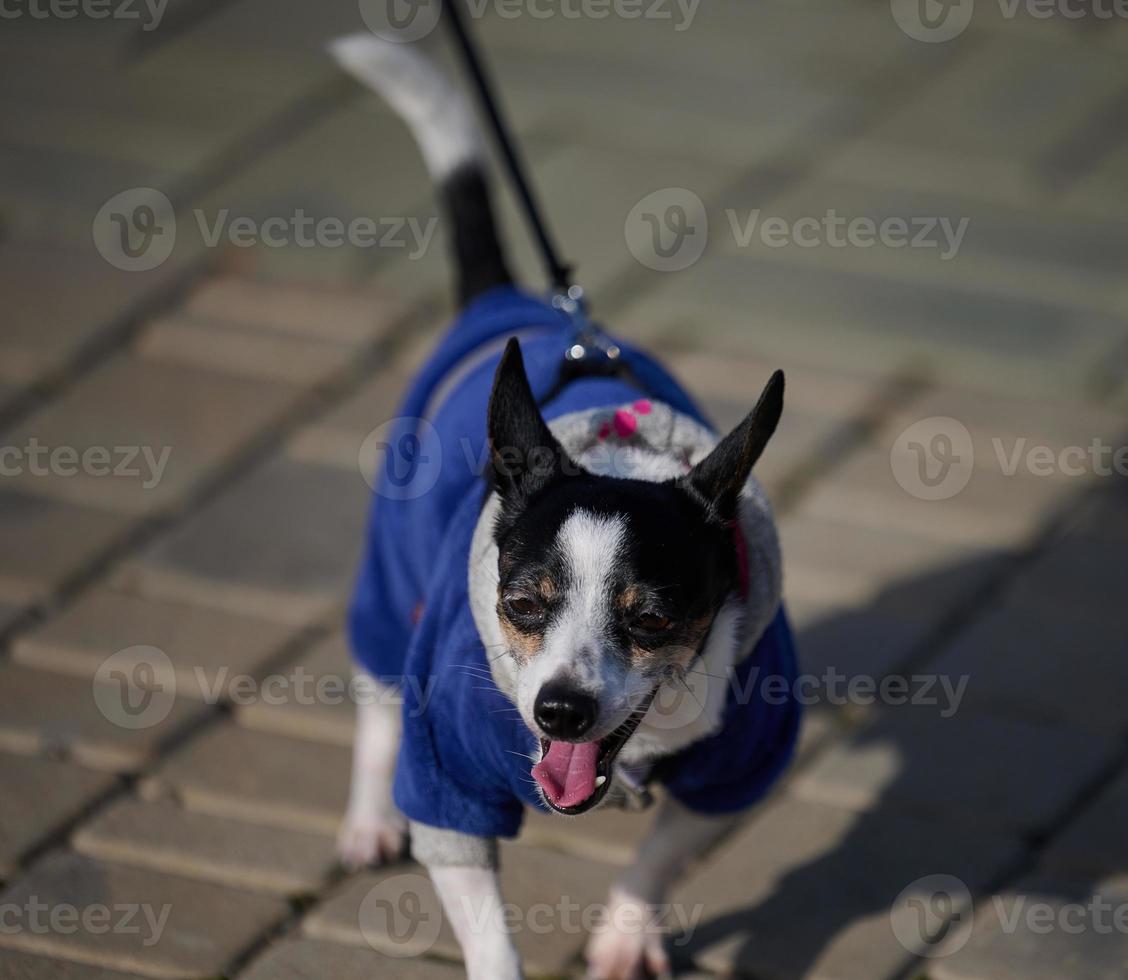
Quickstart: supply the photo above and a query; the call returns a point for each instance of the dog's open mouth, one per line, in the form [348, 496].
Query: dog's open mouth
[575, 776]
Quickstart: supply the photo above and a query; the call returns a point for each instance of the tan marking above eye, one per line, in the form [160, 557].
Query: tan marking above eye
[630, 596]
[525, 645]
[546, 587]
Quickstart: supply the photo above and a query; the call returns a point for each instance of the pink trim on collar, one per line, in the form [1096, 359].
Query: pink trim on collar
[741, 544]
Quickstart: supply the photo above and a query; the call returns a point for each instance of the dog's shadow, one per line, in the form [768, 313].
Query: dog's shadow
[816, 910]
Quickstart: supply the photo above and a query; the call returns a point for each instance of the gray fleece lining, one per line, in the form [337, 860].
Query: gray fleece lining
[436, 847]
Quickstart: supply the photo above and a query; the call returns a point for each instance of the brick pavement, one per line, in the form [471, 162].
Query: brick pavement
[972, 833]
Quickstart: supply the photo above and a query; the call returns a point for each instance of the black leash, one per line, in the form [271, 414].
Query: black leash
[559, 272]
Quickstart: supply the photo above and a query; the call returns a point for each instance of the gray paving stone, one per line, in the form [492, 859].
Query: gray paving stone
[552, 893]
[806, 890]
[277, 781]
[347, 316]
[308, 959]
[206, 927]
[872, 321]
[129, 407]
[831, 562]
[1084, 572]
[242, 351]
[609, 835]
[1046, 663]
[42, 711]
[22, 966]
[282, 544]
[164, 837]
[854, 641]
[210, 650]
[992, 510]
[314, 697]
[1061, 931]
[1093, 844]
[974, 771]
[46, 542]
[39, 796]
[56, 300]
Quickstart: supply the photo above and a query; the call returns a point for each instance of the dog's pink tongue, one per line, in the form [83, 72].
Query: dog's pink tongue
[567, 772]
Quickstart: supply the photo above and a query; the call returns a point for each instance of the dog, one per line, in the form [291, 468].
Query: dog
[538, 615]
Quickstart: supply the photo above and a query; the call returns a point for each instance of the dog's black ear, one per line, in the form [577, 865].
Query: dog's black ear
[720, 476]
[524, 454]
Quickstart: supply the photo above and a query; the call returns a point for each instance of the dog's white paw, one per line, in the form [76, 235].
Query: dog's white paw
[371, 839]
[627, 946]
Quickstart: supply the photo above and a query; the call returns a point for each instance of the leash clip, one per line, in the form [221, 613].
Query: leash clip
[588, 343]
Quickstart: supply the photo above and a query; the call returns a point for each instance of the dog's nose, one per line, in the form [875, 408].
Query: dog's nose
[563, 712]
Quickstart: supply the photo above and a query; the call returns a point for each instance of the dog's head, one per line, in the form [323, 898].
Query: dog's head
[606, 586]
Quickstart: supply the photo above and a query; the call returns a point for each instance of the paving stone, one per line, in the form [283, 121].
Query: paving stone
[42, 711]
[57, 300]
[872, 322]
[832, 562]
[163, 837]
[1093, 844]
[977, 771]
[315, 697]
[978, 130]
[278, 781]
[283, 544]
[992, 510]
[1084, 572]
[1046, 663]
[321, 314]
[1004, 430]
[137, 412]
[39, 796]
[22, 966]
[308, 959]
[554, 893]
[46, 542]
[205, 929]
[1060, 932]
[805, 889]
[243, 351]
[609, 835]
[845, 640]
[9, 613]
[209, 649]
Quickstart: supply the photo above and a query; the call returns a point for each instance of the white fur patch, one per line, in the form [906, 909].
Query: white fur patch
[440, 118]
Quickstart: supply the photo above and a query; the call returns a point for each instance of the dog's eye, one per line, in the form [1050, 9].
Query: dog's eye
[524, 607]
[653, 622]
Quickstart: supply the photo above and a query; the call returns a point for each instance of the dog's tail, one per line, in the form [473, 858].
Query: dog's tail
[446, 128]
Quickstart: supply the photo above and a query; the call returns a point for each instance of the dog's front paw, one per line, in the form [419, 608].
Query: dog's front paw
[370, 839]
[628, 945]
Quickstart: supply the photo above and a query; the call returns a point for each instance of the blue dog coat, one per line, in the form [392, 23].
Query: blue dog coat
[465, 757]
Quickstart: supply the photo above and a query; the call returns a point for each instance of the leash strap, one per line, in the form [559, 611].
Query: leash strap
[559, 273]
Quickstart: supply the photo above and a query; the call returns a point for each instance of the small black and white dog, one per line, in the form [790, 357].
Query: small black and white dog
[573, 587]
